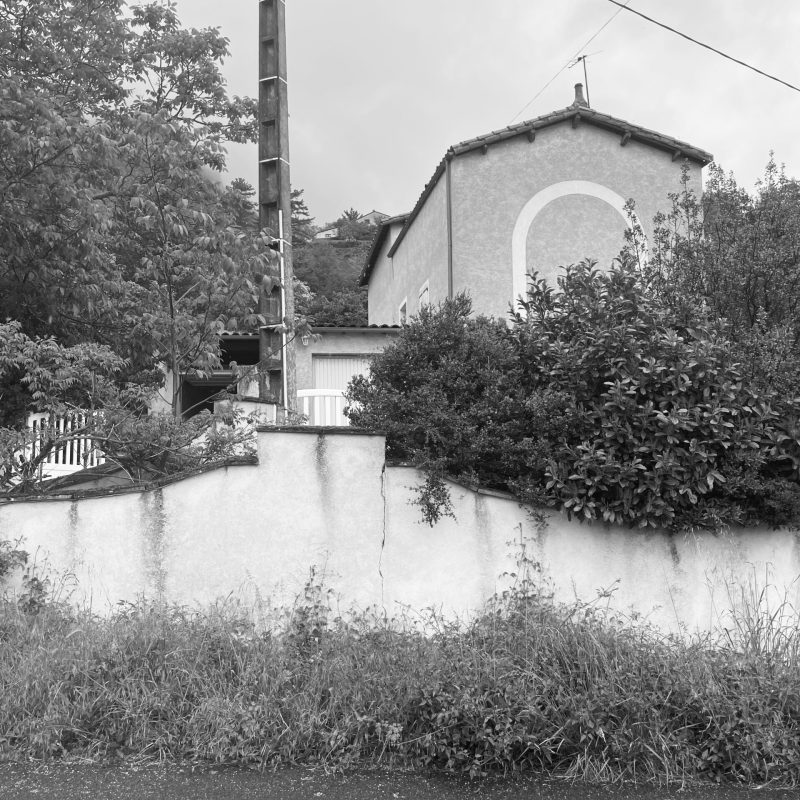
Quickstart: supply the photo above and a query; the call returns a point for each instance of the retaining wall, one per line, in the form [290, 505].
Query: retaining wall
[325, 498]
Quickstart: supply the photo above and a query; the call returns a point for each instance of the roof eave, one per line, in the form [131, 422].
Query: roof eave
[591, 117]
[383, 230]
[429, 187]
[677, 148]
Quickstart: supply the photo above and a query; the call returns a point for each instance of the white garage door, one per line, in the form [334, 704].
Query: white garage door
[335, 372]
[324, 404]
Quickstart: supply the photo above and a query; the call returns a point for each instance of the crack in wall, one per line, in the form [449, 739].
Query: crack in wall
[383, 537]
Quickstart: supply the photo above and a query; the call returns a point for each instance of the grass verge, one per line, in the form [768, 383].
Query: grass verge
[527, 685]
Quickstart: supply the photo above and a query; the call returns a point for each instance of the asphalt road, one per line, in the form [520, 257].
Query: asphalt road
[68, 781]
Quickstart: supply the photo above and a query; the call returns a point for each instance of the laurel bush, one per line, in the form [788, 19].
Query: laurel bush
[594, 400]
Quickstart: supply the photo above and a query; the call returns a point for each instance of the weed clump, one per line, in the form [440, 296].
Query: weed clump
[528, 685]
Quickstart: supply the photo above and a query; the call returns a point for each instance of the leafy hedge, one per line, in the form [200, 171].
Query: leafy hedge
[593, 400]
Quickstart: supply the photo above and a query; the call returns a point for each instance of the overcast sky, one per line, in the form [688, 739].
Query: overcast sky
[378, 89]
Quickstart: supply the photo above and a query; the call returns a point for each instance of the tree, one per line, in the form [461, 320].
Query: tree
[81, 384]
[739, 252]
[671, 434]
[739, 255]
[351, 229]
[302, 222]
[346, 308]
[330, 269]
[190, 275]
[110, 228]
[43, 376]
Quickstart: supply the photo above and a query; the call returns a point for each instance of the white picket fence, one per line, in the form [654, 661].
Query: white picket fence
[320, 406]
[78, 452]
[323, 406]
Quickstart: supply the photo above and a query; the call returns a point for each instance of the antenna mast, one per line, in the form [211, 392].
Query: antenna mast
[585, 75]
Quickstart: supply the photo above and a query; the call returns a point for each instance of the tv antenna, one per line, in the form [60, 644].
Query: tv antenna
[577, 61]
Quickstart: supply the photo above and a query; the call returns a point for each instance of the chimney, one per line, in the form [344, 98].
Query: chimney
[580, 100]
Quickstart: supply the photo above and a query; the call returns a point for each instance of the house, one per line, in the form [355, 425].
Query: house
[335, 232]
[373, 217]
[533, 196]
[326, 359]
[325, 363]
[327, 233]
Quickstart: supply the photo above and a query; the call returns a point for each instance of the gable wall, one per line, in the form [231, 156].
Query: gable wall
[422, 256]
[381, 280]
[489, 192]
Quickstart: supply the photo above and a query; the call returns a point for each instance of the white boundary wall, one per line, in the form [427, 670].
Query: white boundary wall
[325, 498]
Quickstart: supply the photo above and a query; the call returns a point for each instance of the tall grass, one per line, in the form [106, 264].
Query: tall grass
[527, 685]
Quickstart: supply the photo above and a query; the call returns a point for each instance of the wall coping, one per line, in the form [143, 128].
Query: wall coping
[318, 430]
[149, 486]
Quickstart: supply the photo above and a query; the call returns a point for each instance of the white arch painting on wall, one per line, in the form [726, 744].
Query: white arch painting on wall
[519, 238]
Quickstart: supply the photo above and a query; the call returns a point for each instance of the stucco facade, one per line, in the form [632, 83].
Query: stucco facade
[338, 342]
[327, 361]
[399, 279]
[536, 196]
[380, 299]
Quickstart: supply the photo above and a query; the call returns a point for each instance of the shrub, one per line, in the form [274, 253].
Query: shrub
[672, 435]
[595, 400]
[451, 397]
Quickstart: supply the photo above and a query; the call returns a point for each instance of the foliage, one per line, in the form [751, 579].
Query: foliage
[345, 308]
[41, 375]
[594, 401]
[449, 395]
[111, 228]
[83, 382]
[738, 252]
[671, 434]
[11, 558]
[527, 686]
[738, 255]
[46, 376]
[302, 222]
[351, 229]
[150, 446]
[331, 268]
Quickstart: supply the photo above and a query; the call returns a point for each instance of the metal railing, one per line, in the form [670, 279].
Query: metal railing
[323, 406]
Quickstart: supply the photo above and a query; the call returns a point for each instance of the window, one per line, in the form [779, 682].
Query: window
[424, 295]
[403, 312]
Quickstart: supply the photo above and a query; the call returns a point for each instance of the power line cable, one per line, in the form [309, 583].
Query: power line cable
[707, 46]
[571, 60]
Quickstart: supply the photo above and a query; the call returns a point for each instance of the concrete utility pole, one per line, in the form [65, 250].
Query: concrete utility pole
[276, 349]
